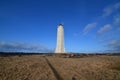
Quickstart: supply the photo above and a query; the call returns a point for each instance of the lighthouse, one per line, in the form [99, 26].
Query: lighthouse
[60, 40]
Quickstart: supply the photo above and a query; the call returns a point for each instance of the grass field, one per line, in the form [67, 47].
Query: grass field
[38, 67]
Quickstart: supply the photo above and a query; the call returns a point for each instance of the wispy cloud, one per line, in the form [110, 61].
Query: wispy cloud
[107, 11]
[117, 5]
[108, 27]
[116, 20]
[104, 29]
[89, 27]
[114, 46]
[22, 47]
[118, 29]
[110, 9]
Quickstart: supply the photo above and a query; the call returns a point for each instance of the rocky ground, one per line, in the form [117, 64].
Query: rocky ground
[39, 67]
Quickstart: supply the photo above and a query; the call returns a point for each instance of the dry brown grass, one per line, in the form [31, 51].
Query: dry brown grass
[25, 68]
[37, 67]
[88, 68]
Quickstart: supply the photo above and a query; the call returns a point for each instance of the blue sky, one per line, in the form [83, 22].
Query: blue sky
[31, 25]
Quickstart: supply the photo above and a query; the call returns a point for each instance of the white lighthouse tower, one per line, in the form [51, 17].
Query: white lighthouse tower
[60, 40]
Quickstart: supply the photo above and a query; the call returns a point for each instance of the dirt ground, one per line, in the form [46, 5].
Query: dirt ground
[38, 67]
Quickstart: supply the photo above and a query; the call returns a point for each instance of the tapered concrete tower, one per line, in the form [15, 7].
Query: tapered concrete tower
[60, 40]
